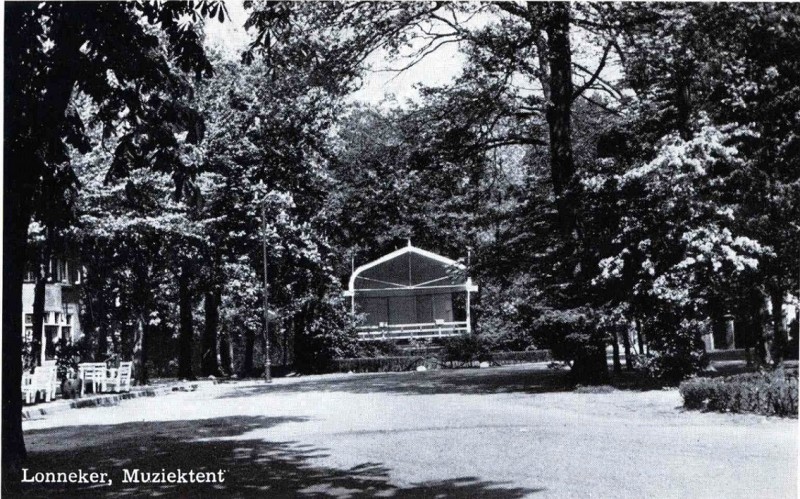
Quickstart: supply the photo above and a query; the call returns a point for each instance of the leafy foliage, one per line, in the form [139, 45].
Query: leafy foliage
[706, 198]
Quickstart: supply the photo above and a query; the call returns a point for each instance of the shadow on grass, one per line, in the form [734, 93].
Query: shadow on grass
[445, 381]
[529, 379]
[255, 468]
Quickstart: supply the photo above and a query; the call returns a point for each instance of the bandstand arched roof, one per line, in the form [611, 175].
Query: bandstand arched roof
[409, 268]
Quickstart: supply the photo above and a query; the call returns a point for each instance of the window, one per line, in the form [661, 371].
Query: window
[68, 318]
[66, 333]
[56, 317]
[28, 318]
[61, 271]
[51, 337]
[58, 270]
[74, 273]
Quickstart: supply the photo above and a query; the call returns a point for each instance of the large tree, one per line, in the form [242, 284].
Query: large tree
[270, 123]
[110, 52]
[519, 87]
[707, 161]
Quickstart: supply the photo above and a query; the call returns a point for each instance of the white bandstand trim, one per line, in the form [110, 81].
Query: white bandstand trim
[462, 287]
[400, 252]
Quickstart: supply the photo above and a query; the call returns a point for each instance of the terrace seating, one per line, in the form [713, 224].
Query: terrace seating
[44, 380]
[120, 378]
[94, 373]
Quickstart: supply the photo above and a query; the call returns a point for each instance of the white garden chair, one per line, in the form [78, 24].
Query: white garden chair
[49, 379]
[29, 387]
[44, 380]
[120, 381]
[94, 373]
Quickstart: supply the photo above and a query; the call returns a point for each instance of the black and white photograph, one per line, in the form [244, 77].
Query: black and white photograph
[400, 249]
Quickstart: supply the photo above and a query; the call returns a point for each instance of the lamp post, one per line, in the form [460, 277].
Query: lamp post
[469, 290]
[267, 362]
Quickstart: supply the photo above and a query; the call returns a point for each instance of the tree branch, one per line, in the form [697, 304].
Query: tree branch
[602, 106]
[419, 56]
[608, 86]
[513, 9]
[595, 75]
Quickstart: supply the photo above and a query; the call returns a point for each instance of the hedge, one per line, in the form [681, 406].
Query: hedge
[771, 393]
[522, 357]
[718, 355]
[377, 364]
[408, 363]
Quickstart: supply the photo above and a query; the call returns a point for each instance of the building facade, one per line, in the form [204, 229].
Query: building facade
[62, 306]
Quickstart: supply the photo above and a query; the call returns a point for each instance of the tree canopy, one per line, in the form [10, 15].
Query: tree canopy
[610, 173]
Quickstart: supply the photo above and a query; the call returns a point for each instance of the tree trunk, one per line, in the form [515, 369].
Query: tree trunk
[102, 341]
[626, 343]
[559, 110]
[303, 355]
[266, 343]
[285, 345]
[779, 332]
[42, 265]
[225, 353]
[16, 217]
[615, 350]
[209, 364]
[185, 333]
[140, 352]
[741, 323]
[640, 336]
[683, 104]
[99, 320]
[591, 367]
[38, 306]
[249, 345]
[28, 128]
[765, 330]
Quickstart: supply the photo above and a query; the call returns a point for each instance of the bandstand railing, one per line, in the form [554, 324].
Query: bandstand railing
[438, 329]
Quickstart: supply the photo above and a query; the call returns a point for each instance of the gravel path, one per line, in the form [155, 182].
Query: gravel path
[503, 432]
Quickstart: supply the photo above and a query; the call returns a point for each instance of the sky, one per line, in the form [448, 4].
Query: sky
[381, 86]
[378, 85]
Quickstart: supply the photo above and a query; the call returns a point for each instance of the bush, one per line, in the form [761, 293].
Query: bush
[578, 336]
[677, 351]
[465, 349]
[378, 348]
[69, 355]
[329, 336]
[770, 393]
[792, 346]
[672, 367]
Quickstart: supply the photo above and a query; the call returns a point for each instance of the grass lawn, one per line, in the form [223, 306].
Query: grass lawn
[502, 432]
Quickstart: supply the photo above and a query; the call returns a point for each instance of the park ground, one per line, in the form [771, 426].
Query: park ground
[500, 432]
